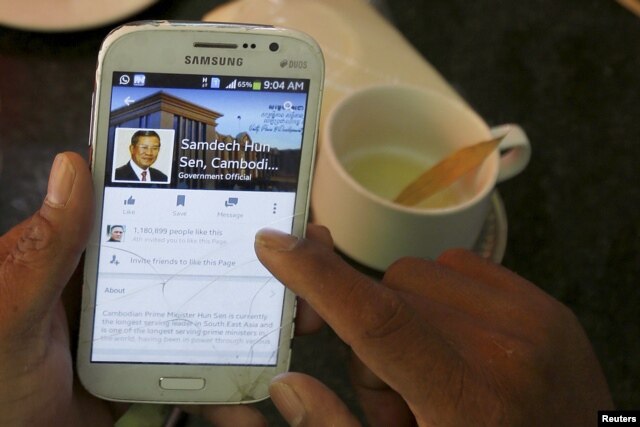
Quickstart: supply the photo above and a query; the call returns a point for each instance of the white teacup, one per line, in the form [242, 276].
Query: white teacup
[378, 140]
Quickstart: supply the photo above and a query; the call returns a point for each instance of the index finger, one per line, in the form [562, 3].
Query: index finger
[387, 335]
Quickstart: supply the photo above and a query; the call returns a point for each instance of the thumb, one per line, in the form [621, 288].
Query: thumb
[41, 254]
[304, 401]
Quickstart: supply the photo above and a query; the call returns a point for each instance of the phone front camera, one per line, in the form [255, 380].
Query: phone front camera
[273, 47]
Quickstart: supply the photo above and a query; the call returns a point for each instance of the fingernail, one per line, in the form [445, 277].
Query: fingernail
[275, 240]
[61, 181]
[288, 403]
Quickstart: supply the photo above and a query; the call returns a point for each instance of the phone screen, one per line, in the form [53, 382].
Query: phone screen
[195, 166]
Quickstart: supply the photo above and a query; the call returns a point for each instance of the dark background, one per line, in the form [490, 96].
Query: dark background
[567, 71]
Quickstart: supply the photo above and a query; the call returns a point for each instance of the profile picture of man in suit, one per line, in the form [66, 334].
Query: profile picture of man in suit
[144, 150]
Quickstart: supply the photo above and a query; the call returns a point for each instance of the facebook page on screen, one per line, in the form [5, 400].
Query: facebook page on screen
[196, 165]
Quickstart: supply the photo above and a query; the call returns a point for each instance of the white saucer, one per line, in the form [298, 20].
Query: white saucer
[492, 242]
[64, 15]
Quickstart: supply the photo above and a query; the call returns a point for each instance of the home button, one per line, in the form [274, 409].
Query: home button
[173, 383]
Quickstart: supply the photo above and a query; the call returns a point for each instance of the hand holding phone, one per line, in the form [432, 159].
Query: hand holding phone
[202, 134]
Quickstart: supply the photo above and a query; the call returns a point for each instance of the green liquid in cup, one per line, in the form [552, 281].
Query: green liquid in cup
[387, 173]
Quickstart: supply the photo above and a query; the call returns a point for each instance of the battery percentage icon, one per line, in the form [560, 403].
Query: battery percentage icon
[257, 85]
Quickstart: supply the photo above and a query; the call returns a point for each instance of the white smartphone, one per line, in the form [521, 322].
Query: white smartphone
[202, 134]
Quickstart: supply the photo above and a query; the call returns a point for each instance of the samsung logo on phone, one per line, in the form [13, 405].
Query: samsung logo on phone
[213, 60]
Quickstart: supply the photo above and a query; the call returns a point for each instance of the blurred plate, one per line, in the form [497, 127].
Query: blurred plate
[67, 15]
[360, 47]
